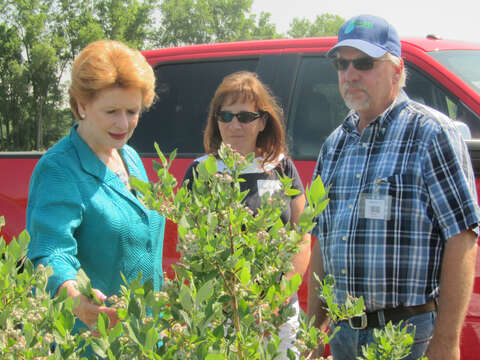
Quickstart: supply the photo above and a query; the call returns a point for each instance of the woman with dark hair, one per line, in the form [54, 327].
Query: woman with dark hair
[244, 114]
[81, 210]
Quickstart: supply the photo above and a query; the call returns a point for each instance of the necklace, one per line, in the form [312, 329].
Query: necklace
[122, 175]
[119, 170]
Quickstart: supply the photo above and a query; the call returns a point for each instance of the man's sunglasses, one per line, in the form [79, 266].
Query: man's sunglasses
[243, 116]
[362, 64]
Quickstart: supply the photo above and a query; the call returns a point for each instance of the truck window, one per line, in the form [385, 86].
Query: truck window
[178, 117]
[317, 107]
[425, 90]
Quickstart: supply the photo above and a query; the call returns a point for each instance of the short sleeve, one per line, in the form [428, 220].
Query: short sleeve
[188, 176]
[54, 211]
[450, 181]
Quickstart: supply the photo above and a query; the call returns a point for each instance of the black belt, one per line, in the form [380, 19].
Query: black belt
[380, 318]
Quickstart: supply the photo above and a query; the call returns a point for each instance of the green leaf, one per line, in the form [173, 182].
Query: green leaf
[28, 332]
[181, 231]
[306, 217]
[293, 284]
[172, 156]
[270, 293]
[322, 206]
[216, 356]
[205, 292]
[211, 165]
[115, 332]
[60, 328]
[134, 308]
[292, 192]
[245, 274]
[317, 190]
[151, 339]
[99, 347]
[102, 324]
[122, 313]
[162, 157]
[84, 286]
[186, 298]
[140, 185]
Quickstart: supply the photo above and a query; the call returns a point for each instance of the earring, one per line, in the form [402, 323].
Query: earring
[82, 116]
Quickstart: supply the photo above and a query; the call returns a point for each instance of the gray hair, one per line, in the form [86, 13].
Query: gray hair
[397, 61]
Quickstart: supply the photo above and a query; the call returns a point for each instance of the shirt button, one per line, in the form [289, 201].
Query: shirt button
[149, 246]
[358, 176]
[364, 145]
[343, 271]
[344, 238]
[350, 206]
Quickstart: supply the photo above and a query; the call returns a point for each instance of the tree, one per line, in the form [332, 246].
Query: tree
[207, 21]
[39, 40]
[39, 70]
[324, 25]
[130, 21]
[12, 89]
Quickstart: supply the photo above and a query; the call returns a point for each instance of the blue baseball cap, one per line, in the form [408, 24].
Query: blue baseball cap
[370, 34]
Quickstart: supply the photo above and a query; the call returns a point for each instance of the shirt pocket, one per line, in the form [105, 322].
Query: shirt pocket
[406, 190]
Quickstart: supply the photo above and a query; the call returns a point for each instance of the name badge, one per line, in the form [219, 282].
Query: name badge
[375, 206]
[268, 186]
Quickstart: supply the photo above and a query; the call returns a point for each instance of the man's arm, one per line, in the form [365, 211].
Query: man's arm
[456, 283]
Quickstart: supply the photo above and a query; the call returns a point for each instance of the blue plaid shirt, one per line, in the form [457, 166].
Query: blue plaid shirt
[413, 156]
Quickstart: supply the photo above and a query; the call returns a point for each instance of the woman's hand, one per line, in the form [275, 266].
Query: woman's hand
[86, 310]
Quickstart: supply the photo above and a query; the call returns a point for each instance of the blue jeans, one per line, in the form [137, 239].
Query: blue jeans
[347, 342]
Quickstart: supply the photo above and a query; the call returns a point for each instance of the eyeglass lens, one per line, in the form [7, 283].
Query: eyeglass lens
[242, 116]
[362, 64]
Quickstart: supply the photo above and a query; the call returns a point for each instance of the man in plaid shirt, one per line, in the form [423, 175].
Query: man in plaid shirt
[400, 229]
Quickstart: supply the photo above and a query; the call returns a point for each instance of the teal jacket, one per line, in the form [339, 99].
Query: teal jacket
[79, 214]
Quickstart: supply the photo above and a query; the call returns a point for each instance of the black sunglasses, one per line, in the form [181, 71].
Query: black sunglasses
[362, 64]
[243, 116]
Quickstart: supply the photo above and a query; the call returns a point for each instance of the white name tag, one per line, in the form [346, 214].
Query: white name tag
[268, 186]
[375, 207]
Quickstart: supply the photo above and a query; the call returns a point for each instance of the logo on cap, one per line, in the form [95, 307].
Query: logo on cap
[351, 26]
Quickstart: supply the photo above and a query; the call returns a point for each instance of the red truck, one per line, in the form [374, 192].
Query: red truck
[442, 74]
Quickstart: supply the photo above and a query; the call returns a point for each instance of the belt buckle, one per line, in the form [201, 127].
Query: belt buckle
[363, 323]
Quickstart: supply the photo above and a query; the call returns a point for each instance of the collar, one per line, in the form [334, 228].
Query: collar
[91, 164]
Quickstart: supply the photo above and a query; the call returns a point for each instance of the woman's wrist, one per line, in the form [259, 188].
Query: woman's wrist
[71, 286]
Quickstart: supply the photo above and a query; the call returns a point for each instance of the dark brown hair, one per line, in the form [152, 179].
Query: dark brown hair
[245, 86]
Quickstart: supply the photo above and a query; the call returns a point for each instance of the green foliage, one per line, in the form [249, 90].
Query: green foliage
[338, 312]
[30, 321]
[208, 21]
[228, 296]
[391, 343]
[324, 25]
[85, 288]
[229, 252]
[39, 40]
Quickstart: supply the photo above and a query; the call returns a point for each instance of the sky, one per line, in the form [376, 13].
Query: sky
[457, 19]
